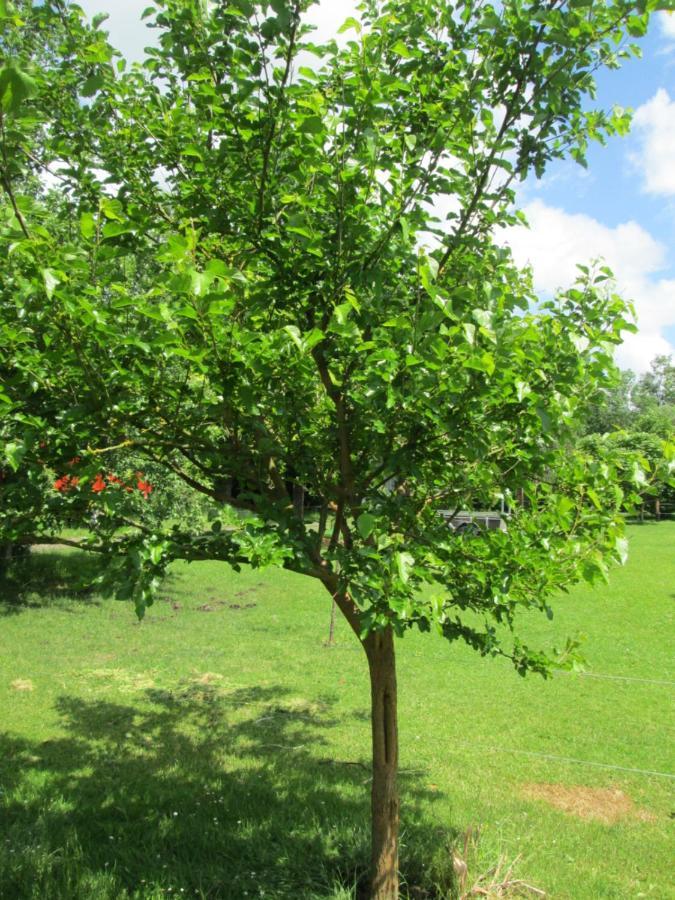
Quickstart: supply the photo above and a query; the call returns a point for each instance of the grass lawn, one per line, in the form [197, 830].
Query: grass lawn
[220, 750]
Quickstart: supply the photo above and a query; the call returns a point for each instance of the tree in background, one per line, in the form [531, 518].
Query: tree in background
[654, 398]
[233, 286]
[645, 403]
[635, 417]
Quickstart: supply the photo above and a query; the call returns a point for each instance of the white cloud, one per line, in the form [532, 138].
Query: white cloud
[328, 16]
[127, 33]
[654, 127]
[667, 23]
[557, 241]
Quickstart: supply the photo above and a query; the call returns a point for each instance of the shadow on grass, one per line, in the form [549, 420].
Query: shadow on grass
[197, 792]
[45, 577]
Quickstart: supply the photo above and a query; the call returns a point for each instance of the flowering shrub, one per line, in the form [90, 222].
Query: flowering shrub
[67, 483]
[143, 486]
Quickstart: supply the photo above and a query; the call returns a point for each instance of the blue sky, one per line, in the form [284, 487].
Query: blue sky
[622, 208]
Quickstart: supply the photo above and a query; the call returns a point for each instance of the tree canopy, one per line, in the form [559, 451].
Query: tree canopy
[230, 262]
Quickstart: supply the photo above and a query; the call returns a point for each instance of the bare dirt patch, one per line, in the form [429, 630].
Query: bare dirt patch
[219, 604]
[606, 805]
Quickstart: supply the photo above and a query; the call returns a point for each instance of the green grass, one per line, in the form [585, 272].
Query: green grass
[220, 750]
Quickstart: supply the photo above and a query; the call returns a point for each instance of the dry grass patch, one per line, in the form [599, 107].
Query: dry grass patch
[22, 684]
[124, 681]
[606, 805]
[207, 678]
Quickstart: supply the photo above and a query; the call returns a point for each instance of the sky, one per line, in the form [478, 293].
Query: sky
[621, 209]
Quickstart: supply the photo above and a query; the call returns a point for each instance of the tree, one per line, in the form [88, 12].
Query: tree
[235, 288]
[613, 408]
[654, 397]
[628, 402]
[644, 462]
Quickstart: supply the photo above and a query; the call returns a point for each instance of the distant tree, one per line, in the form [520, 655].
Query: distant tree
[612, 408]
[645, 464]
[654, 398]
[235, 290]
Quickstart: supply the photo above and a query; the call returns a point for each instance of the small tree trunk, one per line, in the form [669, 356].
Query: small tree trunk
[657, 508]
[379, 647]
[331, 627]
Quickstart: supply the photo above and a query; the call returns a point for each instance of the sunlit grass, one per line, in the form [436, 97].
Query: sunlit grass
[220, 749]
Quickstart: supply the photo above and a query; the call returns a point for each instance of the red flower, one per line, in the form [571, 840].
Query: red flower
[144, 486]
[99, 484]
[66, 483]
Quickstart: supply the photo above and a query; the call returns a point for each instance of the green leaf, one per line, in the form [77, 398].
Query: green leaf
[296, 336]
[304, 342]
[621, 548]
[200, 282]
[16, 86]
[312, 338]
[299, 229]
[14, 453]
[404, 563]
[522, 390]
[348, 24]
[93, 84]
[428, 276]
[112, 209]
[87, 225]
[312, 125]
[365, 525]
[51, 281]
[114, 229]
[400, 49]
[564, 507]
[483, 317]
[593, 497]
[342, 312]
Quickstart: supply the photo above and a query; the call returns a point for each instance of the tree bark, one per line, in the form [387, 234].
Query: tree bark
[331, 626]
[379, 647]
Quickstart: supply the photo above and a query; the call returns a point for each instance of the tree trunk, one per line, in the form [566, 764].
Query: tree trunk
[331, 627]
[379, 647]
